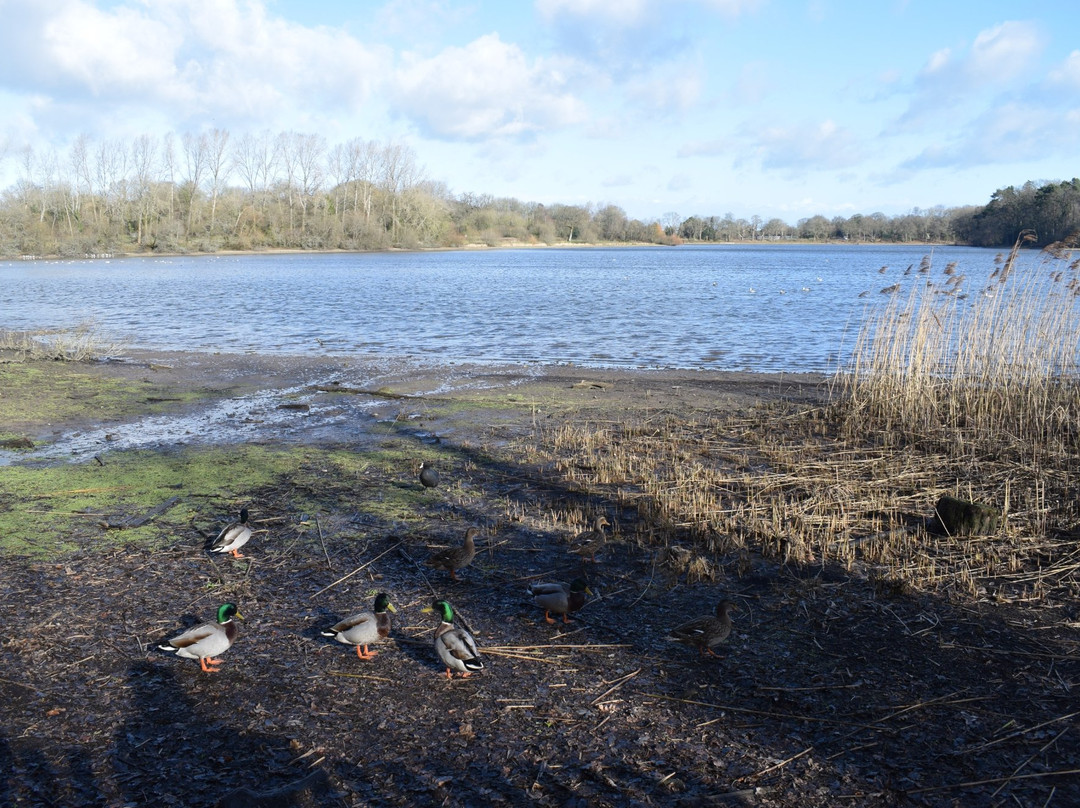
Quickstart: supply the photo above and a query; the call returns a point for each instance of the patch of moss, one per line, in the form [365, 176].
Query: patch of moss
[34, 395]
[47, 510]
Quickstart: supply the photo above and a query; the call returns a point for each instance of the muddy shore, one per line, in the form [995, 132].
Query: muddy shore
[831, 690]
[259, 396]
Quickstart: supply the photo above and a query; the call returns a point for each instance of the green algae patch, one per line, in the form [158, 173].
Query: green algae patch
[162, 498]
[36, 395]
[146, 498]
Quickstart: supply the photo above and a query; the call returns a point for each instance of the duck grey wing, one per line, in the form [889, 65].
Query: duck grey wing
[359, 629]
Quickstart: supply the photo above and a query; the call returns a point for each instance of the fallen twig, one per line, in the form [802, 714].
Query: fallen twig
[139, 521]
[1030, 758]
[359, 676]
[351, 574]
[775, 766]
[616, 686]
[495, 652]
[1020, 732]
[992, 780]
[750, 711]
[323, 543]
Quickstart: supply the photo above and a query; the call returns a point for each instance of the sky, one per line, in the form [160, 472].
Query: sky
[770, 108]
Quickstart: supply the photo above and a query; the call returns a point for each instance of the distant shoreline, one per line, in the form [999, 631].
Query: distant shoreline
[516, 245]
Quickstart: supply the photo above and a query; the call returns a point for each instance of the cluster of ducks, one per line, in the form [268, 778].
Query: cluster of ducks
[455, 646]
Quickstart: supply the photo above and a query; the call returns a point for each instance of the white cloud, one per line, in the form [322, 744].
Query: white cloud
[680, 182]
[488, 89]
[938, 62]
[1068, 72]
[997, 55]
[621, 13]
[110, 53]
[999, 59]
[628, 38]
[624, 13]
[203, 59]
[1011, 133]
[801, 148]
[413, 18]
[674, 87]
[1004, 52]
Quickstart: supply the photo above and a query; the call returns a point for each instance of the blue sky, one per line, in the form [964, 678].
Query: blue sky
[783, 108]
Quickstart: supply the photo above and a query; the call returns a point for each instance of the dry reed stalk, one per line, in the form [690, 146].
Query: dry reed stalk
[527, 657]
[358, 569]
[775, 766]
[588, 647]
[771, 714]
[991, 781]
[1028, 760]
[359, 676]
[618, 683]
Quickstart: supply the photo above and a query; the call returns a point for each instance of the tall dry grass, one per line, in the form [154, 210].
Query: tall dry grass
[994, 368]
[81, 343]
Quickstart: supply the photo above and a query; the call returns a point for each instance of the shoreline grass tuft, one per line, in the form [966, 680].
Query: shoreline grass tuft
[83, 342]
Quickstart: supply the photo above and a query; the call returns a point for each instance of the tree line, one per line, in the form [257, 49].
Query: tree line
[210, 191]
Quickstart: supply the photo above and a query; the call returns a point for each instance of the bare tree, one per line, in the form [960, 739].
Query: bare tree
[79, 156]
[253, 157]
[670, 222]
[168, 165]
[110, 170]
[143, 162]
[196, 150]
[285, 154]
[364, 159]
[399, 175]
[217, 167]
[310, 149]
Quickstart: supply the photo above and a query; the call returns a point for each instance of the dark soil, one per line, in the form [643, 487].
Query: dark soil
[829, 691]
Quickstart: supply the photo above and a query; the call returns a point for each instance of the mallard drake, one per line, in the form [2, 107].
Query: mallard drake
[204, 642]
[592, 541]
[559, 598]
[456, 558]
[233, 536]
[364, 628]
[455, 646]
[429, 477]
[706, 632]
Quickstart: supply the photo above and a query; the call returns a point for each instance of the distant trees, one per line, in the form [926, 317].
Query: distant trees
[209, 191]
[1051, 210]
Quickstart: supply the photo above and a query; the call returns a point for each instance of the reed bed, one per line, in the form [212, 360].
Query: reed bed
[972, 396]
[996, 368]
[83, 342]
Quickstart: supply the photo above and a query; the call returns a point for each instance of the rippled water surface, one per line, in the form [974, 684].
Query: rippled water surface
[755, 308]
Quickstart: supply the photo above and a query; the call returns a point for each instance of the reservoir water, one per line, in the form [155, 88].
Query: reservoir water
[758, 308]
